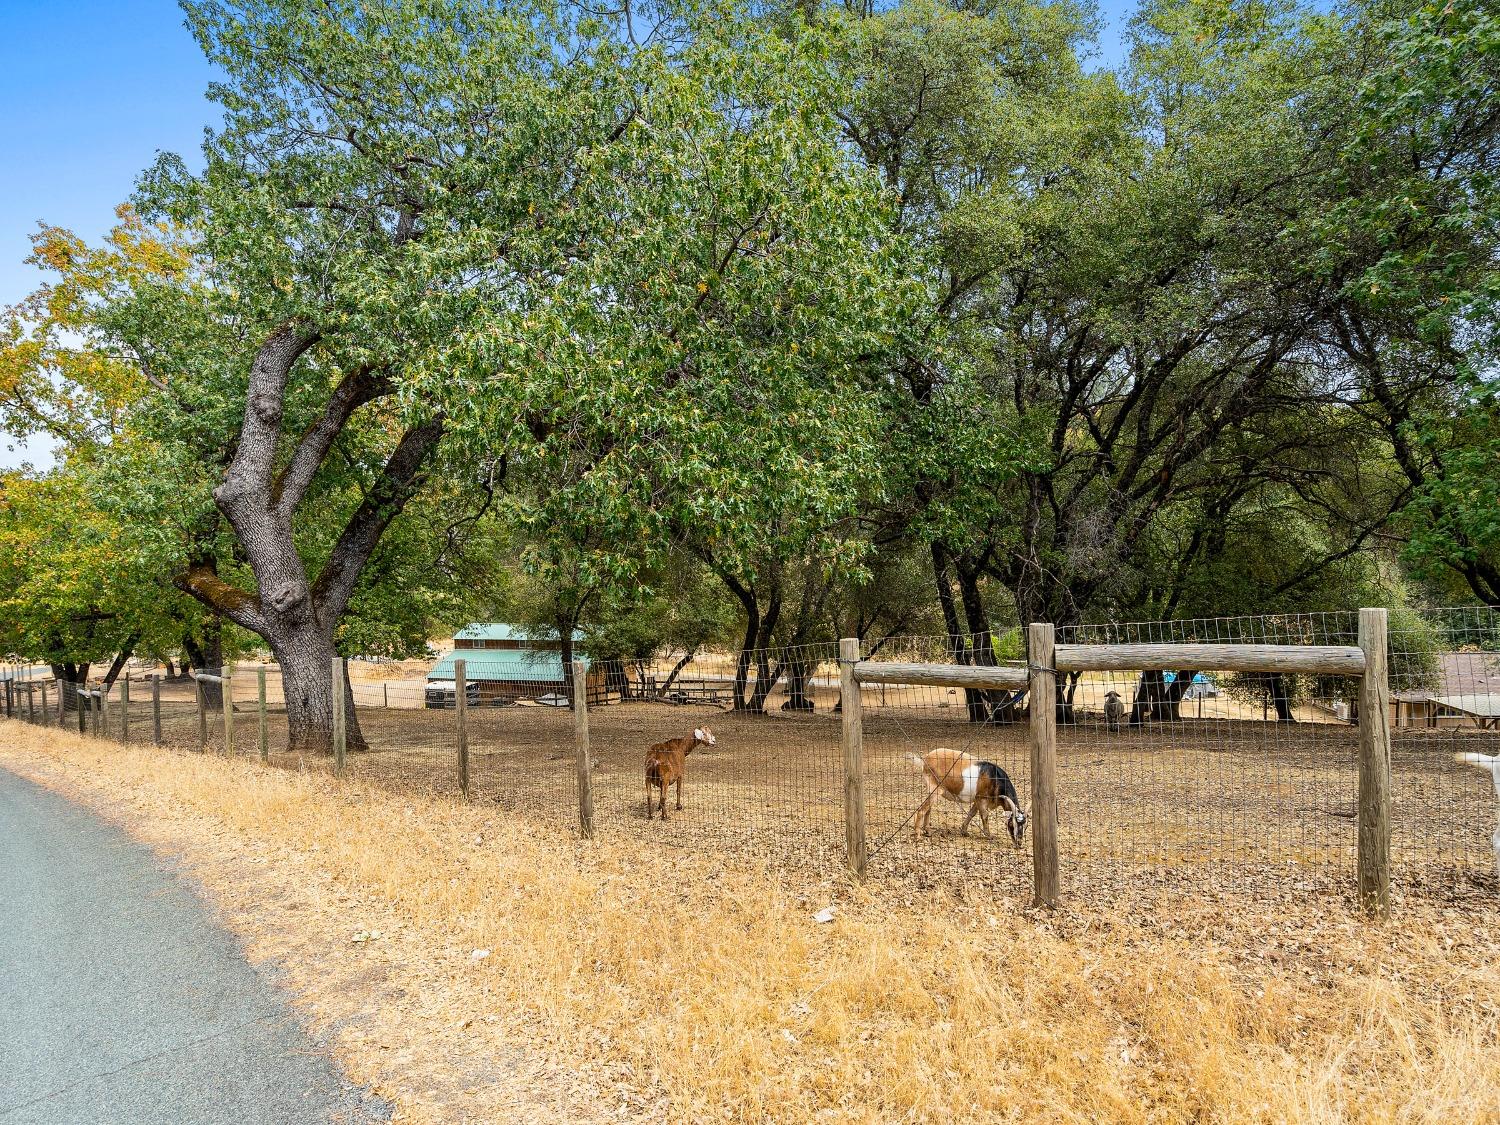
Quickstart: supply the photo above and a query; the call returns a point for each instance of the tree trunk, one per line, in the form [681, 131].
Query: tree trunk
[1148, 693]
[565, 628]
[756, 644]
[687, 658]
[983, 706]
[798, 672]
[208, 657]
[70, 678]
[1280, 697]
[259, 494]
[765, 681]
[958, 649]
[119, 662]
[306, 661]
[1181, 683]
[1157, 700]
[747, 647]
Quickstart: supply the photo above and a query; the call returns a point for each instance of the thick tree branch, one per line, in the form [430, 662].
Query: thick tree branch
[356, 389]
[247, 481]
[202, 581]
[385, 500]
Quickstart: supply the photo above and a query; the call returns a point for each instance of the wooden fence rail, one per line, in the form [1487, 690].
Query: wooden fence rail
[1038, 678]
[1367, 662]
[1315, 660]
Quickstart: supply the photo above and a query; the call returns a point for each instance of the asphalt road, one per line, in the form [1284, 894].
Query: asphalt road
[122, 1002]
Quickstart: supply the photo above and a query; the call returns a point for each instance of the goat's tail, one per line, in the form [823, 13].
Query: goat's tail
[916, 761]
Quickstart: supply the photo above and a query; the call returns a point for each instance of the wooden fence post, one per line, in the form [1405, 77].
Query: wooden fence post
[581, 747]
[81, 701]
[1041, 654]
[202, 715]
[46, 715]
[125, 709]
[1374, 768]
[10, 687]
[461, 714]
[30, 703]
[260, 703]
[96, 712]
[156, 710]
[226, 689]
[853, 740]
[338, 716]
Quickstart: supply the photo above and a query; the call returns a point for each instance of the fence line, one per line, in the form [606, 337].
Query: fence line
[1252, 742]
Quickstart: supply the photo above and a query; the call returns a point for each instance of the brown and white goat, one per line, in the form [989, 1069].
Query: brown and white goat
[1490, 763]
[666, 762]
[963, 779]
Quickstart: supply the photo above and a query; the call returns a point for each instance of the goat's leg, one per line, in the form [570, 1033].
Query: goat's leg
[919, 822]
[679, 794]
[984, 821]
[664, 801]
[963, 829]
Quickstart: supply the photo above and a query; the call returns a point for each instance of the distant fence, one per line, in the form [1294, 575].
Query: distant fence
[1274, 743]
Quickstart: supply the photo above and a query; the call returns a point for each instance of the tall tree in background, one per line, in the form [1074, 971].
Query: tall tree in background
[977, 120]
[492, 223]
[1415, 240]
[86, 581]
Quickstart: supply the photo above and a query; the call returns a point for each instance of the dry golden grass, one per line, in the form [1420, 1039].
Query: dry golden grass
[627, 981]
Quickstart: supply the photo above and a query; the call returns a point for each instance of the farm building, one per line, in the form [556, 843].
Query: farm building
[1467, 693]
[503, 664]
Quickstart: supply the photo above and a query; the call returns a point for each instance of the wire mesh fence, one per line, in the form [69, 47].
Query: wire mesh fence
[1445, 696]
[1155, 769]
[903, 723]
[1199, 764]
[758, 770]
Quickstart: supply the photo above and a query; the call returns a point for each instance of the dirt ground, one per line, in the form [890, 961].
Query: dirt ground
[1244, 801]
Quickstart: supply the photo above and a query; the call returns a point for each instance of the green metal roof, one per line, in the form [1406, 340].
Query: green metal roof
[499, 631]
[504, 665]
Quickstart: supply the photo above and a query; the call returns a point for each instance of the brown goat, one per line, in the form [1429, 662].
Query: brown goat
[666, 762]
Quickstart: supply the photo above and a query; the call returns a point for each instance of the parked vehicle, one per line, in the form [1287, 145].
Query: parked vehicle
[443, 694]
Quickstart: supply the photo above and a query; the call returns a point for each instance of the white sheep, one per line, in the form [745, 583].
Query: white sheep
[1492, 763]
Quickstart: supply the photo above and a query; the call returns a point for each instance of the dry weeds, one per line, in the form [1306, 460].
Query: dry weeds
[632, 981]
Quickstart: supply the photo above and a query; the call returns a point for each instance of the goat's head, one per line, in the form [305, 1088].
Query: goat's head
[705, 736]
[1015, 820]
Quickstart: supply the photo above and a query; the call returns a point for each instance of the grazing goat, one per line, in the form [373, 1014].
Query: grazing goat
[966, 780]
[666, 762]
[1492, 764]
[1114, 711]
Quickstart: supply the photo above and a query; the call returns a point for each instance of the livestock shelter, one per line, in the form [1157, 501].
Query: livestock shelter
[1466, 690]
[505, 664]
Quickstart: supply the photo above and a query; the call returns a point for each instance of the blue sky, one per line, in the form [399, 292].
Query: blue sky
[90, 90]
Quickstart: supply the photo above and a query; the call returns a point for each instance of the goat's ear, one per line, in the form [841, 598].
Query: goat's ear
[698, 733]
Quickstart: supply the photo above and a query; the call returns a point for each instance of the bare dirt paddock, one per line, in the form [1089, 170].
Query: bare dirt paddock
[1241, 802]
